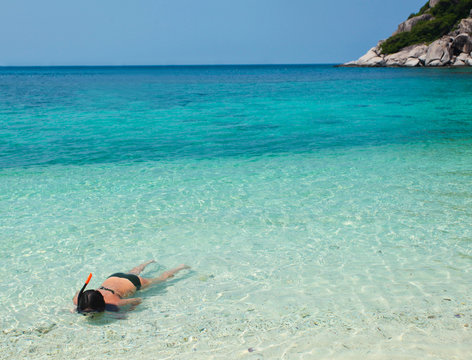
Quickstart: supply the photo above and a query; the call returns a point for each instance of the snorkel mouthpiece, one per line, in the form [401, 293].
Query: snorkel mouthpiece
[82, 290]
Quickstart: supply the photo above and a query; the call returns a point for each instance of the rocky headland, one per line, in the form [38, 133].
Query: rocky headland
[440, 34]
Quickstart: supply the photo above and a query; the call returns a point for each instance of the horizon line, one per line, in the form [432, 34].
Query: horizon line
[169, 65]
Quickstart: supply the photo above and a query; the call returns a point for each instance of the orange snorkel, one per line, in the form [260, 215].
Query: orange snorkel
[83, 288]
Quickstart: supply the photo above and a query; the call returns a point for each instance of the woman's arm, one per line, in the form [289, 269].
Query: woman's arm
[74, 300]
[133, 302]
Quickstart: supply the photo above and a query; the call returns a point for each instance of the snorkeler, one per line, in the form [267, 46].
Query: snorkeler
[110, 295]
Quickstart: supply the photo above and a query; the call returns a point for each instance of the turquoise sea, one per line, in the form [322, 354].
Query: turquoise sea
[326, 212]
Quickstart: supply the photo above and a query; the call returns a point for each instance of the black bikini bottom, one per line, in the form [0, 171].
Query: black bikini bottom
[131, 277]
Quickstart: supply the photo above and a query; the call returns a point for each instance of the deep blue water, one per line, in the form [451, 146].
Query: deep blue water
[125, 114]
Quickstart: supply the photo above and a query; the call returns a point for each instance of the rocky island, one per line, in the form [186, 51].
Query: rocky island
[440, 34]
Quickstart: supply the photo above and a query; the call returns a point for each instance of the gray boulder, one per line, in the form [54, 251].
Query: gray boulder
[438, 53]
[422, 58]
[435, 63]
[369, 54]
[408, 24]
[417, 51]
[433, 3]
[465, 58]
[465, 26]
[392, 62]
[397, 59]
[377, 61]
[371, 58]
[412, 62]
[458, 62]
[409, 56]
[446, 58]
[461, 44]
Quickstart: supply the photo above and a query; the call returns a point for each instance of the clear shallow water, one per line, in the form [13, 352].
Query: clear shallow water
[325, 212]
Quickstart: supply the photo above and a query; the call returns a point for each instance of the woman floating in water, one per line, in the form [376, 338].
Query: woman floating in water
[110, 295]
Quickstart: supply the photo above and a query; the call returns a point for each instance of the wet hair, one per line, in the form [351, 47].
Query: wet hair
[91, 301]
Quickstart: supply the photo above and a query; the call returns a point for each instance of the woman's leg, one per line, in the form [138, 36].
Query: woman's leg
[163, 277]
[137, 270]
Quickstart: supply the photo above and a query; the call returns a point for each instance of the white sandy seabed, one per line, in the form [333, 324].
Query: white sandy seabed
[336, 255]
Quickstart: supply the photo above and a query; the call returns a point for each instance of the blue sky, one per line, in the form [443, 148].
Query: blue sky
[175, 32]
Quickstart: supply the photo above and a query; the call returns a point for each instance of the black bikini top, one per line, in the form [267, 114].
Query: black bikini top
[110, 307]
[107, 289]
